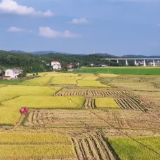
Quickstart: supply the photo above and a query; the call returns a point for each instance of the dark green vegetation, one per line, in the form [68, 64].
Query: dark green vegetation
[32, 63]
[38, 63]
[122, 70]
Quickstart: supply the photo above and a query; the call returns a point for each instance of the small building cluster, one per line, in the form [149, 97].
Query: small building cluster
[12, 73]
[56, 65]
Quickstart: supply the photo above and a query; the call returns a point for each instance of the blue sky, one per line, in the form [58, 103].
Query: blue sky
[117, 27]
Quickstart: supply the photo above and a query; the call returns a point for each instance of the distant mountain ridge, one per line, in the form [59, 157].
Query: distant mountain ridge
[103, 54]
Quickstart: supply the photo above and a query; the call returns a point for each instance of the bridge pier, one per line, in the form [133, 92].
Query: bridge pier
[144, 63]
[117, 61]
[135, 62]
[126, 62]
[154, 64]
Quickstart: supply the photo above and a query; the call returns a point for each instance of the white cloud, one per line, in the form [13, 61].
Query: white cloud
[16, 29]
[50, 33]
[80, 21]
[12, 7]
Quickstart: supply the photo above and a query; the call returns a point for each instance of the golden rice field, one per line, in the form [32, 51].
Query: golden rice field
[54, 74]
[41, 81]
[19, 90]
[36, 151]
[65, 80]
[90, 78]
[27, 137]
[81, 114]
[9, 115]
[127, 149]
[46, 102]
[2, 85]
[5, 97]
[106, 103]
[89, 83]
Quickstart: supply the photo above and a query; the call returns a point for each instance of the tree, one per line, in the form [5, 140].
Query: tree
[23, 74]
[2, 72]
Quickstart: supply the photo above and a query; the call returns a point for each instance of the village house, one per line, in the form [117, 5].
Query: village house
[70, 67]
[12, 73]
[56, 65]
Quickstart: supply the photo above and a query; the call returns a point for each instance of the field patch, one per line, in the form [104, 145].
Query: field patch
[92, 92]
[91, 145]
[3, 85]
[46, 102]
[106, 103]
[60, 118]
[89, 78]
[65, 80]
[41, 81]
[5, 97]
[59, 74]
[121, 70]
[9, 115]
[136, 86]
[19, 90]
[90, 83]
[36, 151]
[128, 149]
[29, 138]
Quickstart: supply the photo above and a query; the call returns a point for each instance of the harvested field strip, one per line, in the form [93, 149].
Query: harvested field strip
[89, 103]
[91, 93]
[39, 118]
[155, 85]
[129, 103]
[92, 146]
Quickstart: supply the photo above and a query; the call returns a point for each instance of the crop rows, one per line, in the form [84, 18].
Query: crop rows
[61, 118]
[92, 146]
[155, 85]
[39, 118]
[91, 93]
[129, 103]
[89, 103]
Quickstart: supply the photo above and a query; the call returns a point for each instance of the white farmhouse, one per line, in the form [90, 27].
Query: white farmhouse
[12, 73]
[56, 65]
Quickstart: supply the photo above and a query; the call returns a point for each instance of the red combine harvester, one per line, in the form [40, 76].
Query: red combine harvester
[24, 110]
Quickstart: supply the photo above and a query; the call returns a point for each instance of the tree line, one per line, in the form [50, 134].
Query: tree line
[42, 62]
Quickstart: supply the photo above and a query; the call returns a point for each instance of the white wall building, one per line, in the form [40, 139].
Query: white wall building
[12, 73]
[56, 65]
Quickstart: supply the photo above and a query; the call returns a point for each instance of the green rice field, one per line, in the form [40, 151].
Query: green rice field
[122, 70]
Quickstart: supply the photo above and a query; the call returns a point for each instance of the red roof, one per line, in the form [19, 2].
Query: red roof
[54, 61]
